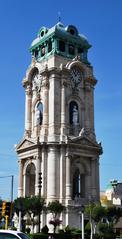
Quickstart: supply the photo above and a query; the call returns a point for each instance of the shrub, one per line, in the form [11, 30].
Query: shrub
[45, 229]
[38, 236]
[27, 230]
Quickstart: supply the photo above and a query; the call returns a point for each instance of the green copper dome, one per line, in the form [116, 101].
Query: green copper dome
[113, 183]
[109, 187]
[60, 40]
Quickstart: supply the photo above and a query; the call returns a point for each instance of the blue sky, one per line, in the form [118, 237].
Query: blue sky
[101, 22]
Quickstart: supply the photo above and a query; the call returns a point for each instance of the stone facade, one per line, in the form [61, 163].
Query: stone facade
[59, 139]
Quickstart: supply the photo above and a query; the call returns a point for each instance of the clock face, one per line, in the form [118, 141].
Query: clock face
[76, 76]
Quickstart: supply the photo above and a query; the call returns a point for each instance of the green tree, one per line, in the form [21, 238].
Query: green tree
[35, 206]
[20, 204]
[103, 218]
[0, 209]
[105, 231]
[21, 208]
[96, 212]
[32, 206]
[56, 208]
[113, 214]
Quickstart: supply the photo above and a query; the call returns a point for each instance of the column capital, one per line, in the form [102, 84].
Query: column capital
[28, 90]
[68, 156]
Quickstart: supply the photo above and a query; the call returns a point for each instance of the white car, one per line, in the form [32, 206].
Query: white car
[10, 234]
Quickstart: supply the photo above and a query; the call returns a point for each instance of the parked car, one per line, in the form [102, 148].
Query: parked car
[10, 234]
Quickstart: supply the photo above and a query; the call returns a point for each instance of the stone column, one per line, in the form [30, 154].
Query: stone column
[87, 106]
[88, 186]
[28, 115]
[44, 183]
[62, 173]
[43, 168]
[63, 105]
[45, 104]
[68, 179]
[20, 183]
[93, 179]
[51, 174]
[97, 178]
[38, 170]
[54, 106]
[92, 108]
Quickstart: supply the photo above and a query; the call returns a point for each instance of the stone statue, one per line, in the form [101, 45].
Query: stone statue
[38, 117]
[75, 116]
[82, 132]
[36, 83]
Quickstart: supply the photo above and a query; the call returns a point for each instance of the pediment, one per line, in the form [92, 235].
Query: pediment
[83, 140]
[25, 144]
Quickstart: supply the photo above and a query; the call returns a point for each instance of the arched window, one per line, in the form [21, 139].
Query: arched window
[30, 180]
[39, 114]
[78, 184]
[73, 113]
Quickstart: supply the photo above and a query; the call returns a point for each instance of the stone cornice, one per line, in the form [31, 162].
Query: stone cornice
[91, 80]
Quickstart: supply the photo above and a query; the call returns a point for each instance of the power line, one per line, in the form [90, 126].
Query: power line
[6, 176]
[12, 184]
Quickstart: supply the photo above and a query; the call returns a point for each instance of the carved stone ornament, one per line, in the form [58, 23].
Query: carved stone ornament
[33, 60]
[36, 83]
[28, 90]
[77, 58]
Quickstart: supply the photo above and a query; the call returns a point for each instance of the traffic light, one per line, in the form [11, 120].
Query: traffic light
[6, 208]
[40, 180]
[3, 208]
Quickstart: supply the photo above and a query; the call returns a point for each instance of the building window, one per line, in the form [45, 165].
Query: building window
[78, 185]
[62, 46]
[36, 53]
[42, 51]
[49, 46]
[80, 50]
[71, 50]
[72, 32]
[73, 113]
[42, 33]
[39, 114]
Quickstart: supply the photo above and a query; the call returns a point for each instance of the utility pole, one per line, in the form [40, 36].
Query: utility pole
[82, 220]
[12, 187]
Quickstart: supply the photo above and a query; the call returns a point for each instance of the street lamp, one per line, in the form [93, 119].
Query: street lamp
[82, 220]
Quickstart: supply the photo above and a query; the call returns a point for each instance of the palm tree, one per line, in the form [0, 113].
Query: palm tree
[35, 206]
[21, 208]
[29, 205]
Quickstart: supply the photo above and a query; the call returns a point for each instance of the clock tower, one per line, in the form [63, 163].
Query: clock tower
[59, 139]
